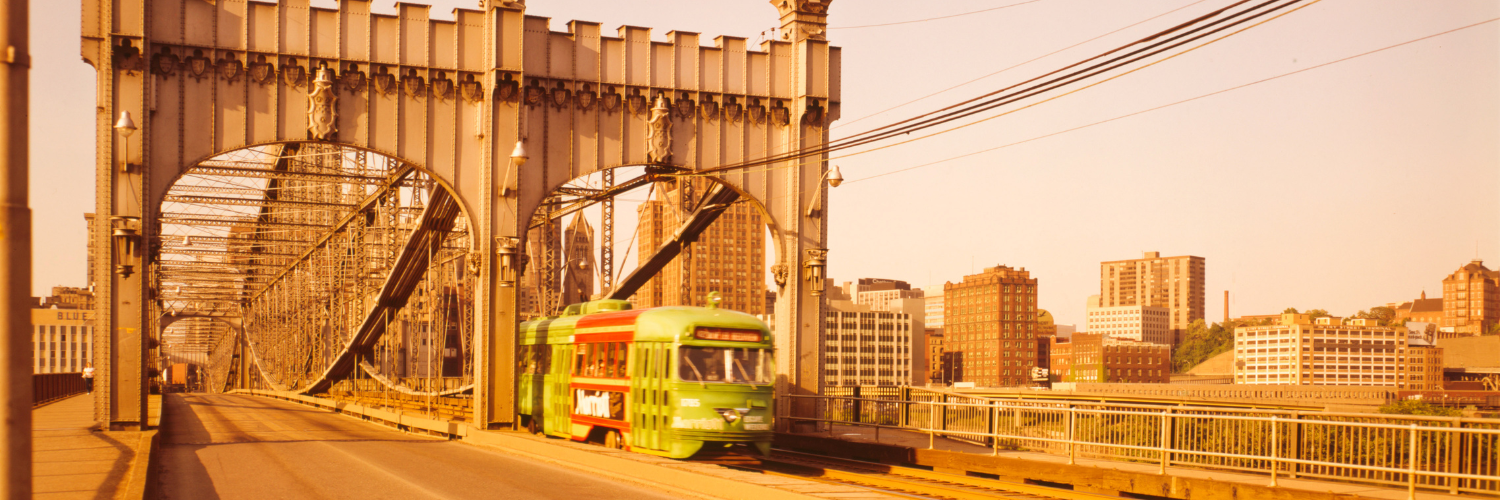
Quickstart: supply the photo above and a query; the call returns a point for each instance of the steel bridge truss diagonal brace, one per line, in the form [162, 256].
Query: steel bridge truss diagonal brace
[407, 272]
[607, 194]
[392, 183]
[714, 203]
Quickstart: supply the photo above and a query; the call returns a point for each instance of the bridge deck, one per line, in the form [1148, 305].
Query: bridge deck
[914, 439]
[234, 446]
[72, 458]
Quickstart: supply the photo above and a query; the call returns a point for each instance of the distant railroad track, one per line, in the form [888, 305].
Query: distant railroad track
[901, 481]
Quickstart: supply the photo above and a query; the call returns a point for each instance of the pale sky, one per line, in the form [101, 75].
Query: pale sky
[1341, 188]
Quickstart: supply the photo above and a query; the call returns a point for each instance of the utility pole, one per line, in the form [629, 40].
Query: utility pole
[15, 250]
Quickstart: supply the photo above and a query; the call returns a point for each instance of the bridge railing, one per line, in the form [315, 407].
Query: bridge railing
[49, 387]
[1457, 455]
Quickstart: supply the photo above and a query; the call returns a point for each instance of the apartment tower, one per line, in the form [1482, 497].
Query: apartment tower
[1175, 283]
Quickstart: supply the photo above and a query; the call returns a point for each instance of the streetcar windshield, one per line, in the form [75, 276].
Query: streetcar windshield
[724, 365]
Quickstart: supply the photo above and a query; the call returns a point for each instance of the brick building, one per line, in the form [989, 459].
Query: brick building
[989, 325]
[1471, 299]
[1098, 358]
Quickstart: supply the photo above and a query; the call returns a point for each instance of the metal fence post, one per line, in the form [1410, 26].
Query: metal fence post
[858, 406]
[1072, 445]
[1411, 467]
[1275, 450]
[994, 429]
[1453, 455]
[931, 426]
[904, 406]
[1166, 424]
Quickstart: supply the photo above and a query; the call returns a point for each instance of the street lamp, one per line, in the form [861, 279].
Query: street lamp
[517, 160]
[507, 247]
[834, 178]
[126, 126]
[125, 238]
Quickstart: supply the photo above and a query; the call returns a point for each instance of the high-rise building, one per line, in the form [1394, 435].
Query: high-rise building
[865, 346]
[1099, 358]
[933, 296]
[1471, 299]
[989, 323]
[1331, 351]
[1138, 323]
[62, 340]
[727, 258]
[580, 266]
[1175, 283]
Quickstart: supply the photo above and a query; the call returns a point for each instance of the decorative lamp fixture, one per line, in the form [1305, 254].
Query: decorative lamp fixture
[517, 160]
[126, 240]
[834, 178]
[813, 267]
[507, 247]
[126, 127]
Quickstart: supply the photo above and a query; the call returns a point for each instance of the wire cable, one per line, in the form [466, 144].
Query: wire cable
[947, 114]
[1144, 111]
[907, 126]
[1023, 63]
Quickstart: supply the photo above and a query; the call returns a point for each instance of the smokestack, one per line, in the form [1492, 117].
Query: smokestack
[1226, 307]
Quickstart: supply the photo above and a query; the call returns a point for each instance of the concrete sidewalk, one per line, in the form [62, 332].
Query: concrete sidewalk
[72, 458]
[919, 440]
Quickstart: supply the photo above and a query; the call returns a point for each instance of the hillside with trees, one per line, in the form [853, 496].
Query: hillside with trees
[1202, 342]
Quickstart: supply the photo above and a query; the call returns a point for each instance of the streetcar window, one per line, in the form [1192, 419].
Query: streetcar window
[582, 357]
[724, 364]
[622, 351]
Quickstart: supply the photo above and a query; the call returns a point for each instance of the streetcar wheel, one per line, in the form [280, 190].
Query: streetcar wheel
[612, 440]
[531, 426]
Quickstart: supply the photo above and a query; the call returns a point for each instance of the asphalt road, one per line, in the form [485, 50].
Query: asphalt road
[231, 446]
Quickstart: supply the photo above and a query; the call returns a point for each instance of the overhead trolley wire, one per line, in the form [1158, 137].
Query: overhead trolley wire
[1168, 105]
[1089, 85]
[989, 101]
[1014, 66]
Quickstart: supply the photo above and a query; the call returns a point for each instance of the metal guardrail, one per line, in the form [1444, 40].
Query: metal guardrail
[49, 387]
[1457, 455]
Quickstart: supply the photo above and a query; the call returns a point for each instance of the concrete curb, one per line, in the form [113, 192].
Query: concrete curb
[141, 482]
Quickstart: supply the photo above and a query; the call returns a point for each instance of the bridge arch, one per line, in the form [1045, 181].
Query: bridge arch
[454, 97]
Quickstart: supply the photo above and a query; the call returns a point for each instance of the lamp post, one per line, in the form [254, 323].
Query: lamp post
[126, 127]
[517, 160]
[834, 178]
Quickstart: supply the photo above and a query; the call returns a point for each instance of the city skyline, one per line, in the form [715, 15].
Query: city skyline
[1394, 143]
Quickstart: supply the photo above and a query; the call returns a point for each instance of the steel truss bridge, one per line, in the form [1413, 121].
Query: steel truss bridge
[358, 205]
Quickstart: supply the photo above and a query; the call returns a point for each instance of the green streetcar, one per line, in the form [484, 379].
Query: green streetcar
[666, 381]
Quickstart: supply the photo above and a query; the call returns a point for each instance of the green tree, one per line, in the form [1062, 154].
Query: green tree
[1414, 407]
[1290, 310]
[1202, 342]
